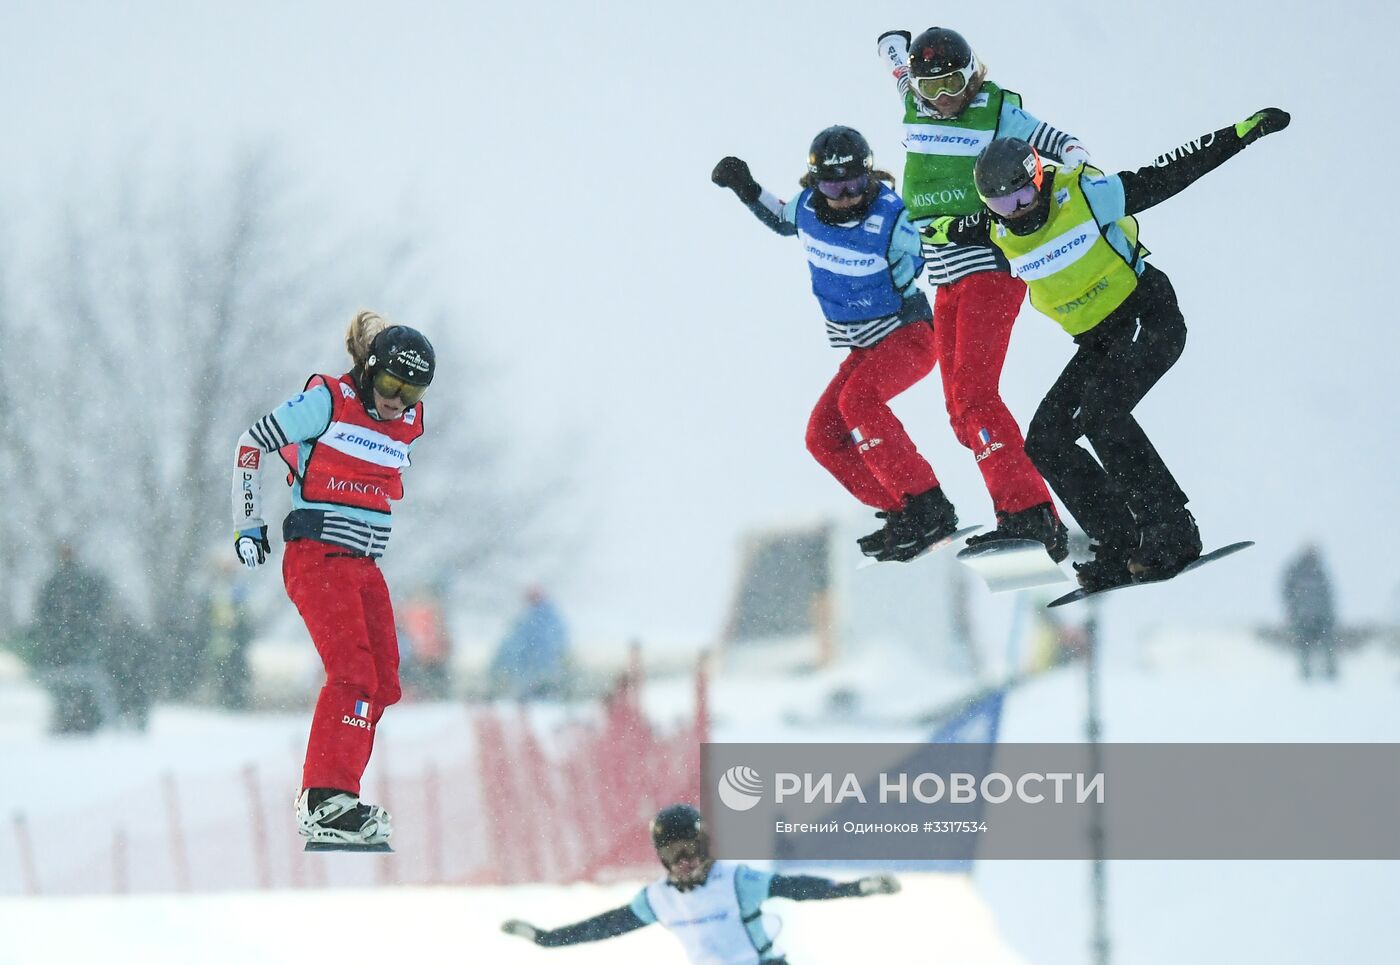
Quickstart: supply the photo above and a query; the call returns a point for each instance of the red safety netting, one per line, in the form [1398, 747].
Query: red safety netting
[521, 794]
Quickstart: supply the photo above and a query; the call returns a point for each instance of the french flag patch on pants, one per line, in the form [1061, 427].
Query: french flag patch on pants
[362, 709]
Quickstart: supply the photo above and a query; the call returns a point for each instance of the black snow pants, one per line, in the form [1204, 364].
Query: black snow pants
[1128, 486]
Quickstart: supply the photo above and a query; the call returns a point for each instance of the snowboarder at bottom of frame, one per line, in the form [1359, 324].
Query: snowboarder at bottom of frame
[714, 908]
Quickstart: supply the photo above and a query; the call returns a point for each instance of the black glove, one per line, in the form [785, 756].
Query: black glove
[251, 546]
[733, 173]
[1267, 121]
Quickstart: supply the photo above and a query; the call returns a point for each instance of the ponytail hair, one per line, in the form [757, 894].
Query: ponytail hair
[359, 336]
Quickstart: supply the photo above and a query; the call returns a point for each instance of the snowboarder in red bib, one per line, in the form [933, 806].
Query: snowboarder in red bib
[951, 111]
[347, 440]
[864, 259]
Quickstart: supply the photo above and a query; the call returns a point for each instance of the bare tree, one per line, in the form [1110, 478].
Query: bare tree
[17, 407]
[182, 307]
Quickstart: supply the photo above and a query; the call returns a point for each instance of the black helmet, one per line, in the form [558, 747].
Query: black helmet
[839, 153]
[1011, 179]
[400, 364]
[679, 822]
[941, 53]
[404, 353]
[1005, 166]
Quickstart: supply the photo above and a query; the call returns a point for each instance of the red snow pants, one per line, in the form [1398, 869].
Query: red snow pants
[852, 431]
[345, 603]
[972, 319]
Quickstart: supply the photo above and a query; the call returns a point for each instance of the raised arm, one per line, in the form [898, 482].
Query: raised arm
[1170, 173]
[610, 924]
[733, 173]
[894, 54]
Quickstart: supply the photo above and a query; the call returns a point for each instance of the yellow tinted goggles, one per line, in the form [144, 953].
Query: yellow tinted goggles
[393, 387]
[951, 84]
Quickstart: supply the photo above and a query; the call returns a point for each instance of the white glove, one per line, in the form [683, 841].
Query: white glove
[524, 929]
[1075, 155]
[878, 885]
[252, 546]
[894, 51]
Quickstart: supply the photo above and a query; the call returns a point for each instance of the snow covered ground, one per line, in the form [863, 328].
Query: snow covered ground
[1185, 685]
[428, 925]
[1205, 686]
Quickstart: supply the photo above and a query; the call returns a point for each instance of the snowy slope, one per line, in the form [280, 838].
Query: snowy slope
[427, 926]
[1185, 685]
[1205, 686]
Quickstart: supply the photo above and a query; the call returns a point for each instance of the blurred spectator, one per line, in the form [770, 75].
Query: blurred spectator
[1310, 612]
[1054, 642]
[69, 639]
[429, 646]
[230, 632]
[129, 659]
[532, 659]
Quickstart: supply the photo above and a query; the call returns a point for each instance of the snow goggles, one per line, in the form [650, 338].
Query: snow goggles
[393, 387]
[689, 849]
[1022, 197]
[849, 188]
[951, 84]
[1007, 205]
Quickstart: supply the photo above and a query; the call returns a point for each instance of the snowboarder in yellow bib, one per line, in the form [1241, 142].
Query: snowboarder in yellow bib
[1071, 236]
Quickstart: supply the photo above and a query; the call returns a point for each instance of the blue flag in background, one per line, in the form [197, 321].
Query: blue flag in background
[978, 722]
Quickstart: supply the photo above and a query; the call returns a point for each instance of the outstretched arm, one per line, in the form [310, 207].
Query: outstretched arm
[812, 888]
[610, 924]
[733, 173]
[1170, 173]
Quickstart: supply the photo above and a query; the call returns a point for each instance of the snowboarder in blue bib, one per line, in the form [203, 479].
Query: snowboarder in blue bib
[864, 257]
[1071, 235]
[713, 907]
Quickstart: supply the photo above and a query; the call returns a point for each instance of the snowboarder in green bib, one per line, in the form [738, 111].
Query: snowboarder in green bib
[951, 111]
[1071, 235]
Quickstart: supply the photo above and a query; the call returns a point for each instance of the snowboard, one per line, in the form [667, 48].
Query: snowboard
[1210, 557]
[869, 561]
[1012, 564]
[319, 847]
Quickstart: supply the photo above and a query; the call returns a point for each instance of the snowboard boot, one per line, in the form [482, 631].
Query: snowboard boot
[1108, 568]
[1168, 544]
[922, 521]
[873, 543]
[1038, 522]
[325, 814]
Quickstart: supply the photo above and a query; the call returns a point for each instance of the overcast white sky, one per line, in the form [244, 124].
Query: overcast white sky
[558, 155]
